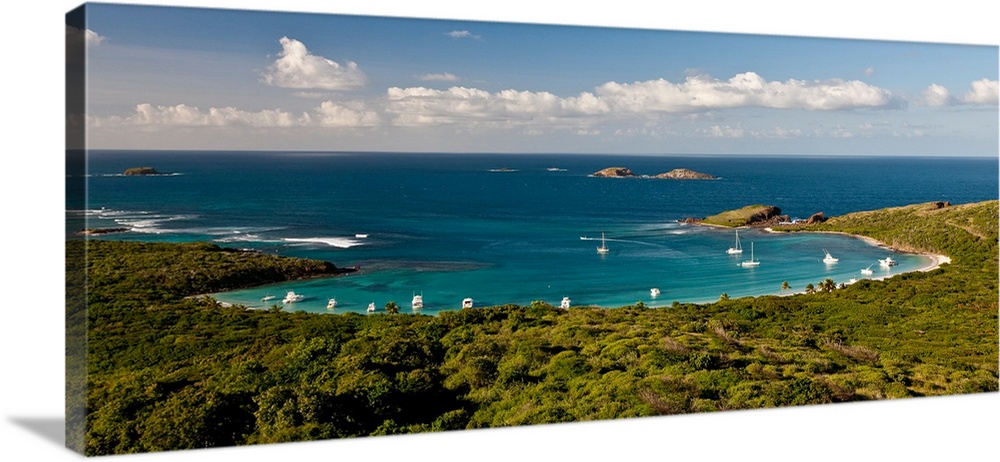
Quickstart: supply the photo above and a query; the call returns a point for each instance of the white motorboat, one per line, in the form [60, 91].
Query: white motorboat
[737, 249]
[751, 262]
[887, 262]
[371, 307]
[331, 304]
[361, 236]
[654, 292]
[603, 249]
[267, 298]
[565, 303]
[292, 297]
[417, 302]
[467, 303]
[828, 259]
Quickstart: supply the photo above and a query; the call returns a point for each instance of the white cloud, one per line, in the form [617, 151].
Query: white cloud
[726, 131]
[425, 106]
[350, 114]
[443, 77]
[612, 100]
[744, 90]
[983, 91]
[460, 34]
[717, 131]
[297, 68]
[869, 71]
[936, 95]
[327, 114]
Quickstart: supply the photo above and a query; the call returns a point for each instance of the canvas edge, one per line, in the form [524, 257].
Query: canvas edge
[75, 256]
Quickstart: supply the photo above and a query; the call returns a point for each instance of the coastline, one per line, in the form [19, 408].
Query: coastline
[936, 259]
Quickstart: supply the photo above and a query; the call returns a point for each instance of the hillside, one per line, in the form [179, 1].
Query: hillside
[166, 372]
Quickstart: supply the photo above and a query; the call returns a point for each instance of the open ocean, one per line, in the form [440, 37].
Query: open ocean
[508, 228]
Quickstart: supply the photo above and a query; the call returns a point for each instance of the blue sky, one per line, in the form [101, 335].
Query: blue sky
[174, 78]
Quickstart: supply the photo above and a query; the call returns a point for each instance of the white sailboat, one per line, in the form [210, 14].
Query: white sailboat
[751, 262]
[887, 262]
[867, 271]
[738, 249]
[371, 307]
[654, 292]
[292, 297]
[331, 304]
[417, 302]
[828, 259]
[565, 303]
[603, 248]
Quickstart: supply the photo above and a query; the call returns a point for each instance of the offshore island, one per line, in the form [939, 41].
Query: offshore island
[167, 371]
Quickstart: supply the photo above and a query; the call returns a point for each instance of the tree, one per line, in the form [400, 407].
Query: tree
[785, 286]
[724, 296]
[391, 307]
[810, 289]
[827, 285]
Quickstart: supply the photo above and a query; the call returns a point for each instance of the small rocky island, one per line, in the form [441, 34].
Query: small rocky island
[685, 174]
[614, 172]
[675, 174]
[751, 215]
[139, 171]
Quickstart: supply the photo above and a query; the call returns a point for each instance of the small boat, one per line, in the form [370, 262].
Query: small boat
[417, 302]
[565, 303]
[654, 291]
[828, 259]
[331, 304]
[737, 249]
[603, 249]
[751, 262]
[292, 297]
[887, 262]
[867, 271]
[371, 307]
[467, 303]
[267, 298]
[361, 236]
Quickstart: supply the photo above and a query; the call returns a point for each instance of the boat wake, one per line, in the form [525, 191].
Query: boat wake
[339, 242]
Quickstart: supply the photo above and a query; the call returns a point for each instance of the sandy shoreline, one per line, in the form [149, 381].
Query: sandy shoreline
[936, 259]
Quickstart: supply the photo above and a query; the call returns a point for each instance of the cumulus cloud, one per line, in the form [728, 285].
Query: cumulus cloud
[297, 68]
[744, 90]
[936, 95]
[423, 106]
[869, 71]
[350, 114]
[442, 77]
[461, 34]
[327, 114]
[983, 91]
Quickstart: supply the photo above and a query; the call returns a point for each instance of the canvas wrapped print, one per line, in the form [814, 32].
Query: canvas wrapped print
[288, 227]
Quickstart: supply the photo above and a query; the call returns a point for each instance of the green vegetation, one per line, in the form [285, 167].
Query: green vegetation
[742, 217]
[168, 371]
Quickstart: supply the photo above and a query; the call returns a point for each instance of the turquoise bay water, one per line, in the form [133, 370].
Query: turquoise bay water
[513, 228]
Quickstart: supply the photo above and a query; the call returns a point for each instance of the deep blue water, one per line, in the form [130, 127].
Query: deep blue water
[451, 226]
